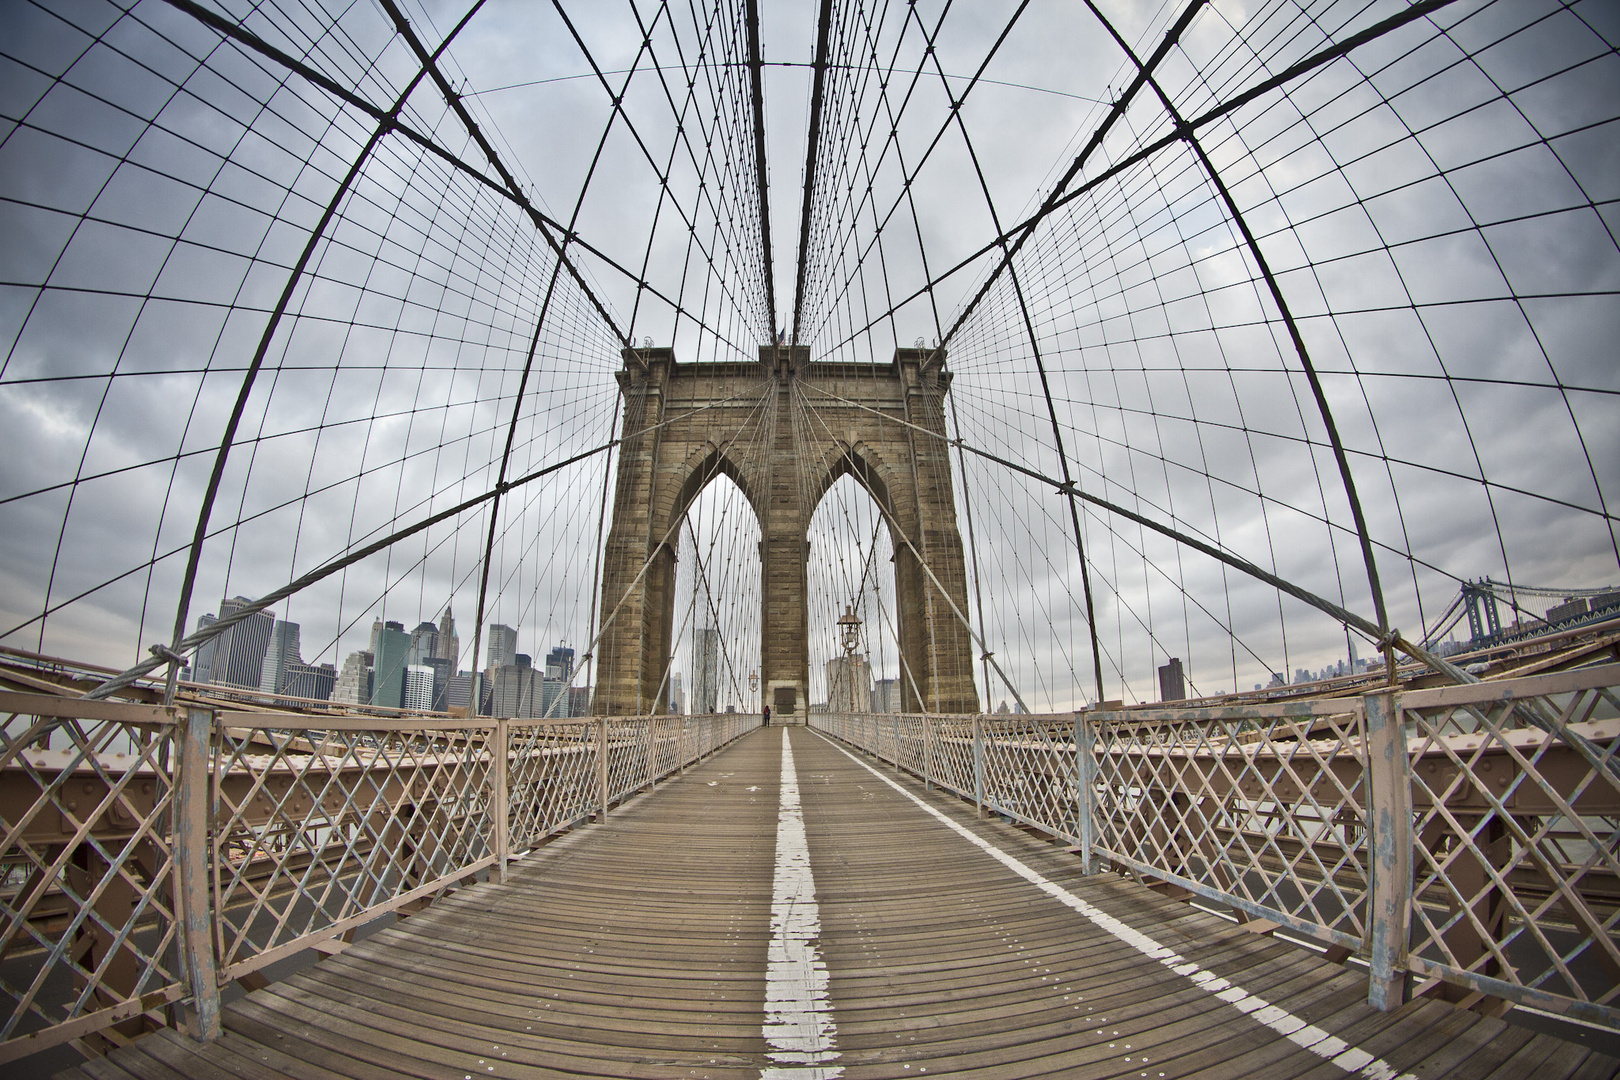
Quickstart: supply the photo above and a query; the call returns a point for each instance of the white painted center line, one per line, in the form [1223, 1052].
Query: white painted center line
[1352, 1059]
[798, 1026]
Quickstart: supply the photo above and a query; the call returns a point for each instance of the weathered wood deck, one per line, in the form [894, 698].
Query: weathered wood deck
[640, 948]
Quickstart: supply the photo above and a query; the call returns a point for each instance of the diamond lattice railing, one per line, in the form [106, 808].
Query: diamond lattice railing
[551, 778]
[1030, 773]
[1507, 795]
[627, 747]
[953, 753]
[318, 829]
[1263, 810]
[88, 862]
[1516, 799]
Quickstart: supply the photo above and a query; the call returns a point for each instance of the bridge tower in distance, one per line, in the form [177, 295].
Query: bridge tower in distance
[687, 424]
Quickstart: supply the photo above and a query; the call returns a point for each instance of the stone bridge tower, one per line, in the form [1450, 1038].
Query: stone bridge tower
[784, 430]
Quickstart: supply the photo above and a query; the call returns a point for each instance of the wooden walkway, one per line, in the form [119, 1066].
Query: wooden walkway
[644, 947]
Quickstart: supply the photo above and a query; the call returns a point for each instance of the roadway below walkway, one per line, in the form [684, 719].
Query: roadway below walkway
[808, 915]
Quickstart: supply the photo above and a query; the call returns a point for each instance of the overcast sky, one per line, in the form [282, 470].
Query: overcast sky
[1438, 211]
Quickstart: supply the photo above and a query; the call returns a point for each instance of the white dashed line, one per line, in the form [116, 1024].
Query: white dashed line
[798, 1014]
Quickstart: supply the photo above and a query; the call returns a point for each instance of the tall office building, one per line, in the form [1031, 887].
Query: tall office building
[706, 671]
[237, 657]
[677, 694]
[886, 696]
[393, 651]
[514, 690]
[449, 644]
[554, 701]
[502, 648]
[418, 696]
[312, 681]
[458, 692]
[849, 684]
[441, 681]
[202, 665]
[279, 656]
[354, 681]
[560, 663]
[1172, 681]
[424, 642]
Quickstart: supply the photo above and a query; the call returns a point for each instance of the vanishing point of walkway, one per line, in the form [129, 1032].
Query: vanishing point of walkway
[804, 915]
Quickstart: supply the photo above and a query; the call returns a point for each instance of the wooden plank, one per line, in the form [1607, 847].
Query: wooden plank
[636, 948]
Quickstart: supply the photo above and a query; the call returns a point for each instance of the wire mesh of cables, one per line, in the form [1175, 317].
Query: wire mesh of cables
[1324, 286]
[335, 299]
[282, 304]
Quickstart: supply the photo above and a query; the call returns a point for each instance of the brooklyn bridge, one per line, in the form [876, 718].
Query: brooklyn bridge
[811, 540]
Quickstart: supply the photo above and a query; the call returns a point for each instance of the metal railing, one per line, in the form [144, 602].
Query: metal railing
[1463, 841]
[153, 856]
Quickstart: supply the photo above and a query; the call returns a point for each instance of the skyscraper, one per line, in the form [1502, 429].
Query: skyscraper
[458, 692]
[1172, 681]
[238, 655]
[441, 680]
[849, 684]
[514, 690]
[560, 663]
[388, 673]
[424, 642]
[354, 681]
[418, 695]
[705, 671]
[449, 644]
[554, 701]
[279, 657]
[502, 649]
[312, 681]
[202, 667]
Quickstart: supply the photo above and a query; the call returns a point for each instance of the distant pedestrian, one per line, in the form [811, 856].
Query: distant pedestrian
[767, 716]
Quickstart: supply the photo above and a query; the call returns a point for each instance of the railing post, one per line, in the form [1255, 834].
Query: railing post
[502, 797]
[194, 809]
[978, 764]
[930, 752]
[602, 764]
[1389, 849]
[652, 751]
[1085, 775]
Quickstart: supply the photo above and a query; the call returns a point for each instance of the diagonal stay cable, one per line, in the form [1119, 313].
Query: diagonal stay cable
[503, 185]
[676, 202]
[216, 476]
[810, 411]
[817, 90]
[1344, 615]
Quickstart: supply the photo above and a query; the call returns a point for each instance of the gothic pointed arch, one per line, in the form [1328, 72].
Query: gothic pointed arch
[695, 422]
